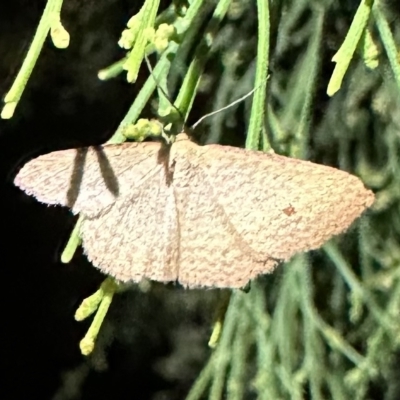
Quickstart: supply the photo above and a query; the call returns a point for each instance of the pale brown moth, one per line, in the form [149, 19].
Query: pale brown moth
[206, 216]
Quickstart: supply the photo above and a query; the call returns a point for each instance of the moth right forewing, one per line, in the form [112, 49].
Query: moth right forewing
[256, 190]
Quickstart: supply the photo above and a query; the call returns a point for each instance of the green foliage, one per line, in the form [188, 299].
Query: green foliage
[49, 23]
[324, 325]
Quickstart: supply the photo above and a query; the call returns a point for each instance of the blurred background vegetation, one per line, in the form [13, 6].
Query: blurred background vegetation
[323, 326]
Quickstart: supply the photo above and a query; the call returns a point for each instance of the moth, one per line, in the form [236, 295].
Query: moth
[205, 216]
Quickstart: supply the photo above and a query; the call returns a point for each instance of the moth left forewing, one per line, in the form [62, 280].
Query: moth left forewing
[47, 177]
[281, 206]
[88, 179]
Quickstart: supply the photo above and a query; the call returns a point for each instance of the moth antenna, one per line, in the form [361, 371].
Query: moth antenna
[204, 116]
[228, 106]
[160, 87]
